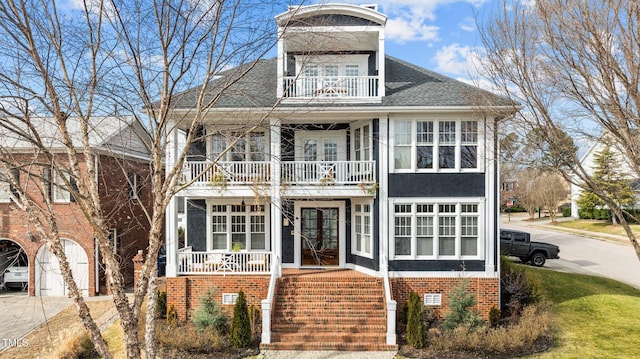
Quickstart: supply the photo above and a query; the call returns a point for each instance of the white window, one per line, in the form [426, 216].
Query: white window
[362, 143]
[5, 188]
[362, 227]
[134, 185]
[431, 145]
[436, 230]
[238, 226]
[236, 146]
[61, 191]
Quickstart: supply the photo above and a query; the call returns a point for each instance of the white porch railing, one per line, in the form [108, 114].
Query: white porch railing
[329, 172]
[254, 262]
[331, 86]
[267, 304]
[227, 172]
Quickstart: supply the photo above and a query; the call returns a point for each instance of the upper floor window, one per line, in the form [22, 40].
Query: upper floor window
[435, 145]
[134, 182]
[239, 146]
[60, 189]
[5, 177]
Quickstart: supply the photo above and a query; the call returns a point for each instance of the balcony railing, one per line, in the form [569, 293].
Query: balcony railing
[224, 173]
[329, 172]
[223, 263]
[331, 86]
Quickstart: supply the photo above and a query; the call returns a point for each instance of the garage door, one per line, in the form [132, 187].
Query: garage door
[49, 280]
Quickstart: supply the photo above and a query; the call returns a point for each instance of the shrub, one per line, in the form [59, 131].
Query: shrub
[185, 337]
[254, 319]
[495, 314]
[161, 305]
[240, 336]
[208, 314]
[520, 336]
[566, 211]
[172, 315]
[518, 288]
[415, 322]
[461, 313]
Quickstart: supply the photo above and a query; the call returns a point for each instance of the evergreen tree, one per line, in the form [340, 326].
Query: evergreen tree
[415, 323]
[240, 336]
[461, 311]
[614, 183]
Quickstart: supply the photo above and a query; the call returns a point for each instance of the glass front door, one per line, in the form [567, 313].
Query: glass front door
[320, 236]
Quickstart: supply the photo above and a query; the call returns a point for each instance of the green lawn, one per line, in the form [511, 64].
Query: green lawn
[598, 226]
[594, 317]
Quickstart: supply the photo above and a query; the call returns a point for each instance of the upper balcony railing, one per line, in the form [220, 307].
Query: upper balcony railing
[226, 172]
[331, 86]
[222, 174]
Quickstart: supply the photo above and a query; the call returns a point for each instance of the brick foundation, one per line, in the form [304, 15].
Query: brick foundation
[184, 292]
[486, 290]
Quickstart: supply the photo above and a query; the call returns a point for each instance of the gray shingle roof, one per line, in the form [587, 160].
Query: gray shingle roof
[407, 85]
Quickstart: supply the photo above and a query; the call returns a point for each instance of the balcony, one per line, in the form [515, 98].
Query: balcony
[223, 263]
[313, 173]
[331, 87]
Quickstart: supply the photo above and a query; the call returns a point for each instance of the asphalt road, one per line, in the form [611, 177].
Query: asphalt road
[581, 254]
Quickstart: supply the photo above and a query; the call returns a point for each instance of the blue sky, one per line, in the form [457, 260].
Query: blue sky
[439, 35]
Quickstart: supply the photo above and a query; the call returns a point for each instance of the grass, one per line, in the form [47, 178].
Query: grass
[595, 317]
[598, 226]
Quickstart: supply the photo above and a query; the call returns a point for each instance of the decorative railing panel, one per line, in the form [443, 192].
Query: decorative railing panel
[253, 262]
[329, 172]
[225, 173]
[331, 86]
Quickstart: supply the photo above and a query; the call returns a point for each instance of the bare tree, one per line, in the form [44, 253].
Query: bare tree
[574, 67]
[119, 57]
[551, 190]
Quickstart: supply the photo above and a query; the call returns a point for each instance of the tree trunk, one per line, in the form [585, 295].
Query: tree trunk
[152, 303]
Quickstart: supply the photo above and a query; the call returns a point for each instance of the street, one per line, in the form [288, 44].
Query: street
[580, 254]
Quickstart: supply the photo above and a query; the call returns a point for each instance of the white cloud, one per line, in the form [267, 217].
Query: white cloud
[412, 20]
[456, 59]
[468, 24]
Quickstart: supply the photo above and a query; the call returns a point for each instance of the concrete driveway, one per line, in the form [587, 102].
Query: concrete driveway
[21, 314]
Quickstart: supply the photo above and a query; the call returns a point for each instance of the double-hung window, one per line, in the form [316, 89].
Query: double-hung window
[435, 145]
[436, 230]
[235, 146]
[238, 226]
[362, 243]
[61, 193]
[6, 187]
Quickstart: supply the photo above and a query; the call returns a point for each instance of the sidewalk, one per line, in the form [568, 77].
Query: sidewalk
[523, 220]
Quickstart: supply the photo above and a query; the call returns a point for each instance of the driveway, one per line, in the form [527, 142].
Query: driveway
[580, 253]
[21, 314]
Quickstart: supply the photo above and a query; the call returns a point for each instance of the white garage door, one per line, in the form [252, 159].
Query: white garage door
[49, 281]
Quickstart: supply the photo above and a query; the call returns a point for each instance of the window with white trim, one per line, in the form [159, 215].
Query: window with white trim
[5, 197]
[61, 193]
[362, 241]
[436, 230]
[237, 224]
[434, 145]
[362, 143]
[241, 146]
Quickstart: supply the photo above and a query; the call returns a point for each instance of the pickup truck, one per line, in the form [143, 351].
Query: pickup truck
[518, 244]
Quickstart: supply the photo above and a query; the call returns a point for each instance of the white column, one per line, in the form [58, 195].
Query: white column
[276, 203]
[280, 65]
[381, 72]
[492, 177]
[171, 216]
[383, 193]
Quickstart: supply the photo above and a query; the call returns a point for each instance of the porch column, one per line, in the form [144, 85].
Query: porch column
[381, 73]
[280, 66]
[276, 203]
[171, 216]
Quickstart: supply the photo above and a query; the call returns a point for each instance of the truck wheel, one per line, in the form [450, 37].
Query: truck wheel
[537, 259]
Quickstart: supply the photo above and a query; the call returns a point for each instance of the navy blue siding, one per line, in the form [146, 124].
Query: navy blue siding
[439, 265]
[436, 184]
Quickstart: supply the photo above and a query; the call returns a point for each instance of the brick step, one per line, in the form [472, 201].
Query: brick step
[339, 346]
[329, 312]
[329, 320]
[328, 305]
[329, 292]
[325, 337]
[351, 299]
[304, 327]
[333, 285]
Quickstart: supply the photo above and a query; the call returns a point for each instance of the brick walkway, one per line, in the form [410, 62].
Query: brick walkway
[290, 354]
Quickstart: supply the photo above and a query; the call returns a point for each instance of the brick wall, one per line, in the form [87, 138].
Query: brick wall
[184, 292]
[486, 290]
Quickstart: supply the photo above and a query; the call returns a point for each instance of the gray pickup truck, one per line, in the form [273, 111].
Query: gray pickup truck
[518, 244]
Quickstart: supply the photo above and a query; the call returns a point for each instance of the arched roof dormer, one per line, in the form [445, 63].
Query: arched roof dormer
[331, 15]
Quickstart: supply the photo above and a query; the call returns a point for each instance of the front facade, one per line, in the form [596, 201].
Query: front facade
[121, 165]
[368, 163]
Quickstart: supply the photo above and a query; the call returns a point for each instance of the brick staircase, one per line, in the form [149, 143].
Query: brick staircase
[329, 310]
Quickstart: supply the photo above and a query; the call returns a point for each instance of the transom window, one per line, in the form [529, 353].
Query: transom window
[435, 145]
[238, 226]
[436, 230]
[362, 242]
[235, 146]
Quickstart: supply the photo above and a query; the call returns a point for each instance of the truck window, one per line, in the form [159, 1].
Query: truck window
[505, 235]
[519, 237]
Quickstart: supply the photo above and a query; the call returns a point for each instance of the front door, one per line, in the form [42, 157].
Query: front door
[319, 235]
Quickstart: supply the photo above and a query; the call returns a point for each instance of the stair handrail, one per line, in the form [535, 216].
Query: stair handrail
[391, 304]
[276, 272]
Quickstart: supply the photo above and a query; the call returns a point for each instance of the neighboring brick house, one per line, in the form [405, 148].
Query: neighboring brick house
[121, 161]
[371, 178]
